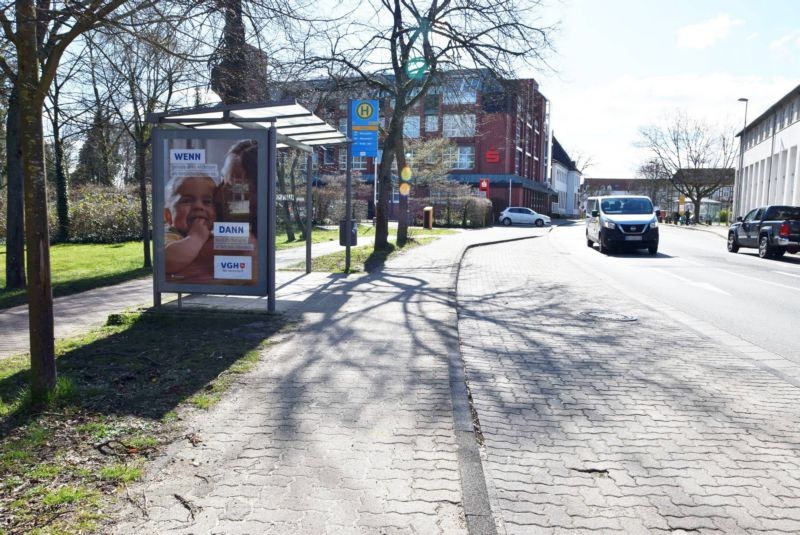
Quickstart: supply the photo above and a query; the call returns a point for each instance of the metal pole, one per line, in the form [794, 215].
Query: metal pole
[738, 183]
[348, 189]
[270, 212]
[309, 165]
[509, 192]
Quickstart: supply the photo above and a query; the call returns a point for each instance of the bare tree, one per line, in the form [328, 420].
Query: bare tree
[696, 156]
[423, 40]
[656, 182]
[583, 161]
[140, 75]
[40, 32]
[60, 116]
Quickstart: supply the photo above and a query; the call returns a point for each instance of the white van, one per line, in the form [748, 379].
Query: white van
[621, 222]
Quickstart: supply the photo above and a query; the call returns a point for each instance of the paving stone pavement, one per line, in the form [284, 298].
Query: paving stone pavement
[346, 425]
[624, 427]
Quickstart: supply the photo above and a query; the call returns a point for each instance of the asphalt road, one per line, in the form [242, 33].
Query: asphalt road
[750, 298]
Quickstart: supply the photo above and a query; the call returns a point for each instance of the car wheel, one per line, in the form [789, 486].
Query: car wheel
[764, 248]
[589, 243]
[653, 249]
[733, 245]
[601, 244]
[539, 222]
[507, 221]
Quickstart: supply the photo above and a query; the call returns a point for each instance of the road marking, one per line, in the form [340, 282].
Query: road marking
[788, 274]
[704, 285]
[760, 280]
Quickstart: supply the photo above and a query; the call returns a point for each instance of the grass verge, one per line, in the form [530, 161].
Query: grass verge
[77, 267]
[362, 258]
[321, 235]
[117, 403]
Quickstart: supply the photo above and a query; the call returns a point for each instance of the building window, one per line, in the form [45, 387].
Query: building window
[327, 157]
[462, 156]
[411, 127]
[462, 91]
[432, 103]
[458, 125]
[359, 163]
[431, 123]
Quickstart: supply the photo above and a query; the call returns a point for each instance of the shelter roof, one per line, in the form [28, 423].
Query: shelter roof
[296, 126]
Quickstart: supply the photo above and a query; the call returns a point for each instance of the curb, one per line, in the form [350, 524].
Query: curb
[477, 507]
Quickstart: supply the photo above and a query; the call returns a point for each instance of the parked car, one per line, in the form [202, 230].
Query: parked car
[621, 222]
[775, 230]
[515, 215]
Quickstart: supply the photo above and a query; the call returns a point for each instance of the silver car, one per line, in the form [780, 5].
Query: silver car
[515, 215]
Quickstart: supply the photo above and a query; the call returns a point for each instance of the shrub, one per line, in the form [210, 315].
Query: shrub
[723, 216]
[477, 212]
[104, 215]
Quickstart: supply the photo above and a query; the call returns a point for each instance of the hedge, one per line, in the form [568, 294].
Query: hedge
[97, 215]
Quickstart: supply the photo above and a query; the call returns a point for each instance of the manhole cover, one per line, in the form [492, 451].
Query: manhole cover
[606, 316]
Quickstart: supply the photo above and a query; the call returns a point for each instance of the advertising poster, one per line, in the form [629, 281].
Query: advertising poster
[210, 212]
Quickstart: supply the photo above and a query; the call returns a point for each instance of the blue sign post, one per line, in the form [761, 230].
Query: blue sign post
[364, 128]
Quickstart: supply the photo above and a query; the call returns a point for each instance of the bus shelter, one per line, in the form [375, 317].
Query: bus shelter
[214, 194]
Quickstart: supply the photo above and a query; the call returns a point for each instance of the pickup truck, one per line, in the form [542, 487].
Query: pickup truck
[774, 230]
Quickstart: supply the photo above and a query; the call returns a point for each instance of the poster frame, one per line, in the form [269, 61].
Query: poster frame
[266, 139]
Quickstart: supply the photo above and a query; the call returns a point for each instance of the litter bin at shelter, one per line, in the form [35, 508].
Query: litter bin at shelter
[427, 217]
[343, 232]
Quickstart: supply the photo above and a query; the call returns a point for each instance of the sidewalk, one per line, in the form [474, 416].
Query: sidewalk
[78, 313]
[358, 422]
[719, 230]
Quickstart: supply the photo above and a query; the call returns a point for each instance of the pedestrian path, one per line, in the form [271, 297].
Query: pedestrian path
[77, 313]
[358, 422]
[719, 230]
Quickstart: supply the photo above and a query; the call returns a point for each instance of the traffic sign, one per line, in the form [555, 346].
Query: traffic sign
[364, 129]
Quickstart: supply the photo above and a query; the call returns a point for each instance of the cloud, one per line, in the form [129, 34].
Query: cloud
[707, 33]
[603, 120]
[785, 42]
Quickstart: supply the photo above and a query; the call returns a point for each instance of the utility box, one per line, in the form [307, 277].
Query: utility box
[343, 230]
[427, 217]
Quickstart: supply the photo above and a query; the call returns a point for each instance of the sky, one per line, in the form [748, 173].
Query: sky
[620, 65]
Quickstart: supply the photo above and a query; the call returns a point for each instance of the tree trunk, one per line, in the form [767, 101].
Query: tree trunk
[62, 188]
[40, 296]
[385, 186]
[287, 217]
[15, 221]
[230, 74]
[141, 178]
[297, 220]
[402, 216]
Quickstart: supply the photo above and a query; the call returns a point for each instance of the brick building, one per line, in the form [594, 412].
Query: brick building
[499, 131]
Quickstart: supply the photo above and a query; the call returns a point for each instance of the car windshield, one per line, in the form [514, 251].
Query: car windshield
[783, 212]
[626, 206]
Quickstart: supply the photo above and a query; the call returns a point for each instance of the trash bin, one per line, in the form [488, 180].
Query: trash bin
[427, 217]
[353, 232]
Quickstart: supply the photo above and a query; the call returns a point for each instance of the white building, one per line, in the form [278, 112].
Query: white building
[770, 163]
[565, 180]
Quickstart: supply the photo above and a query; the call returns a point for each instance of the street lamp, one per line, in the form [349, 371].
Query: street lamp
[737, 187]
